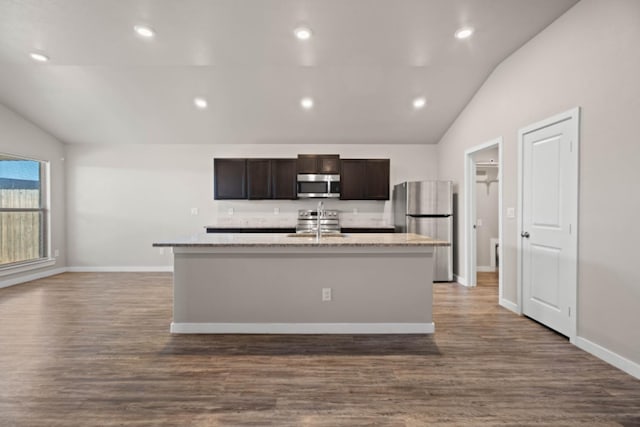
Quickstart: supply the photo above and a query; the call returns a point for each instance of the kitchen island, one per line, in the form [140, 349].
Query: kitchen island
[284, 283]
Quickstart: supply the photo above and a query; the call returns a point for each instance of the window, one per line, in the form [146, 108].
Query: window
[23, 210]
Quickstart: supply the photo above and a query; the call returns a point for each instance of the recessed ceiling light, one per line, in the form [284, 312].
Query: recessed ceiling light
[40, 57]
[464, 33]
[419, 103]
[144, 31]
[200, 103]
[302, 33]
[306, 103]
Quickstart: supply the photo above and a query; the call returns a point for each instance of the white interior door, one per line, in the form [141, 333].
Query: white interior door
[549, 215]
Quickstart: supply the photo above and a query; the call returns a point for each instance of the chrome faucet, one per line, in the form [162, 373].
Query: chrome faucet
[320, 214]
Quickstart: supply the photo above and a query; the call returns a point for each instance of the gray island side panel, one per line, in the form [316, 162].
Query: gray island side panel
[377, 288]
[240, 283]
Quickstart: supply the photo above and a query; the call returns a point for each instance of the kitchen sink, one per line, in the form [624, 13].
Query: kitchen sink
[314, 235]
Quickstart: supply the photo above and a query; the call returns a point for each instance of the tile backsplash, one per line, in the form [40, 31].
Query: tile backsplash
[269, 213]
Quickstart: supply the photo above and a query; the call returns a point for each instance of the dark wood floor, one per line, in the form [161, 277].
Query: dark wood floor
[84, 349]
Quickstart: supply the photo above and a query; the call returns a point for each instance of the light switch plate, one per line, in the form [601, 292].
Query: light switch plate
[511, 212]
[230, 211]
[479, 222]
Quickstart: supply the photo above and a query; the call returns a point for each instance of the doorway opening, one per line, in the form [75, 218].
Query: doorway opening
[483, 215]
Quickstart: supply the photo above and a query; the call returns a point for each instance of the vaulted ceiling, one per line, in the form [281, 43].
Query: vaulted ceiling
[364, 64]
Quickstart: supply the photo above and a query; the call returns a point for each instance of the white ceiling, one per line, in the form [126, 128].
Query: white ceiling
[366, 62]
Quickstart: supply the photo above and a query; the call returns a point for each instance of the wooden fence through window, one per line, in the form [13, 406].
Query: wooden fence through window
[20, 232]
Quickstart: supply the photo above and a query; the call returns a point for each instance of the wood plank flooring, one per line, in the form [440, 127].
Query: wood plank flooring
[487, 279]
[93, 349]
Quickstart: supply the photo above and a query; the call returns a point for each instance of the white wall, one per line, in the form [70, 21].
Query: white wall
[586, 58]
[486, 208]
[22, 138]
[122, 198]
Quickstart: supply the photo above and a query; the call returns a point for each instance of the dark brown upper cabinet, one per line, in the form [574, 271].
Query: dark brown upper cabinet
[318, 163]
[255, 179]
[352, 179]
[360, 179]
[283, 178]
[229, 179]
[259, 179]
[377, 179]
[364, 179]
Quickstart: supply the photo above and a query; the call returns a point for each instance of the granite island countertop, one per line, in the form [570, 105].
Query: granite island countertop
[285, 240]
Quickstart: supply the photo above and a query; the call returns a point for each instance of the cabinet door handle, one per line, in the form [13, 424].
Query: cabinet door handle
[524, 234]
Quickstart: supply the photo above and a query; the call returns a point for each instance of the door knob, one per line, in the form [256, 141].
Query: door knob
[524, 234]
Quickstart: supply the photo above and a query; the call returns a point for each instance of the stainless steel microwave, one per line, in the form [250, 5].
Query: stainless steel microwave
[315, 185]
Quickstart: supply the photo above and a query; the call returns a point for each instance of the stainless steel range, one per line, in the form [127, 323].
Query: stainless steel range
[308, 221]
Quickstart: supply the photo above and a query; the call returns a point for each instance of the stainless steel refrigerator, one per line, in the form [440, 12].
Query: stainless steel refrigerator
[426, 207]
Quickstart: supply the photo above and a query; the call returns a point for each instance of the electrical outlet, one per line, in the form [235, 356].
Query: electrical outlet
[326, 294]
[161, 251]
[56, 253]
[479, 222]
[194, 211]
[230, 211]
[276, 211]
[355, 211]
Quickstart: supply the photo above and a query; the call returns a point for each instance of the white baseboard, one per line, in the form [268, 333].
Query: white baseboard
[620, 362]
[485, 269]
[302, 328]
[13, 270]
[29, 277]
[460, 280]
[124, 269]
[509, 305]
